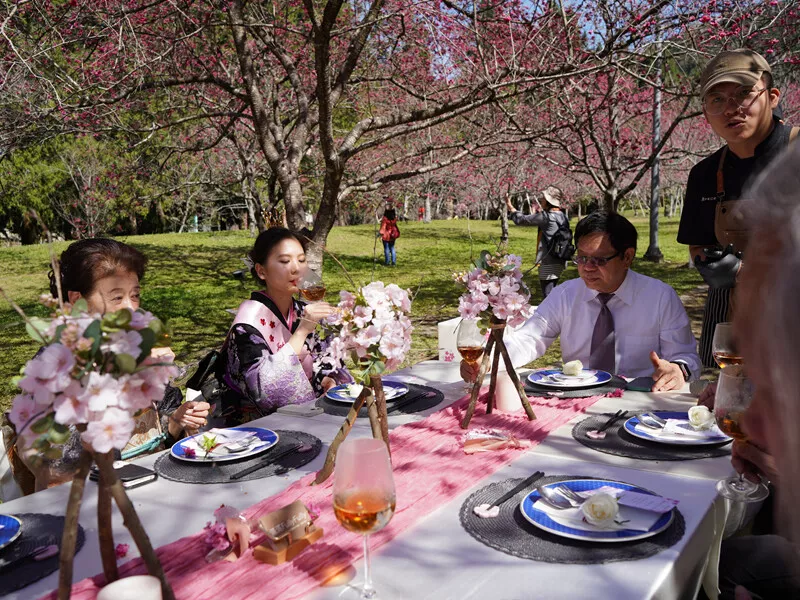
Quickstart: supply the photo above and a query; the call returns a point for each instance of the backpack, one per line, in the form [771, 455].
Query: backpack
[560, 245]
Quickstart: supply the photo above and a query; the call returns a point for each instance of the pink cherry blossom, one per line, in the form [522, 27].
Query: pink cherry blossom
[48, 373]
[70, 408]
[23, 408]
[100, 391]
[124, 342]
[112, 431]
[141, 319]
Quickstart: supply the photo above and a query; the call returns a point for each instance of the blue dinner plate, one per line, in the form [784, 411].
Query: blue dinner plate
[391, 389]
[267, 439]
[10, 528]
[642, 433]
[548, 378]
[531, 510]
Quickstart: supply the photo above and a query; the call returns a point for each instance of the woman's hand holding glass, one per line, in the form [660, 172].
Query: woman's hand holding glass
[733, 396]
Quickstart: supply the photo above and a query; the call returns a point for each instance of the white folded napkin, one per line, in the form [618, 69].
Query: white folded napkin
[224, 438]
[679, 430]
[629, 517]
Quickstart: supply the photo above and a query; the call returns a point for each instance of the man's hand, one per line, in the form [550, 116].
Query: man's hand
[752, 461]
[469, 371]
[510, 206]
[328, 383]
[667, 376]
[720, 267]
[706, 397]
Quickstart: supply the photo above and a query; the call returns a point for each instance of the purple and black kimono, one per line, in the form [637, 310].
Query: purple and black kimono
[261, 367]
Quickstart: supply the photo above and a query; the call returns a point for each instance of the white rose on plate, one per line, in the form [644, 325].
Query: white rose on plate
[573, 367]
[354, 389]
[600, 509]
[700, 418]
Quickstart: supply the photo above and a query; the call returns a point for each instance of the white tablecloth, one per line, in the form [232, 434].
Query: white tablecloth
[437, 558]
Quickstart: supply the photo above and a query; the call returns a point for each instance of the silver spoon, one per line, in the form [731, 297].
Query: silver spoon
[553, 498]
[652, 421]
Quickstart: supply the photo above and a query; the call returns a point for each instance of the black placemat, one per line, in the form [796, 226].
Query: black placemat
[178, 470]
[512, 534]
[615, 383]
[37, 530]
[621, 443]
[418, 398]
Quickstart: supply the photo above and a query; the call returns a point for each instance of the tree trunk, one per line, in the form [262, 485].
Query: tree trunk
[504, 226]
[653, 253]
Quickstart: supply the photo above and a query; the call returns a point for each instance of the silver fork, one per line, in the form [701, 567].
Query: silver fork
[570, 495]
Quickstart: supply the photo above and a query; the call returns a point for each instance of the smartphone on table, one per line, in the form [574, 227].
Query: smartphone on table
[131, 475]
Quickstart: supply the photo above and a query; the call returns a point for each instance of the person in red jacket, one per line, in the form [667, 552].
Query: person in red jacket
[389, 233]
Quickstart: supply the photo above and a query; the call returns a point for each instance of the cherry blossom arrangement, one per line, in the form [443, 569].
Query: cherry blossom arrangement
[373, 328]
[494, 288]
[94, 372]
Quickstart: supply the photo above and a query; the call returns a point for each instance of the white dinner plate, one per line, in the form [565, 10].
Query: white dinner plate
[636, 429]
[531, 508]
[555, 378]
[265, 439]
[391, 389]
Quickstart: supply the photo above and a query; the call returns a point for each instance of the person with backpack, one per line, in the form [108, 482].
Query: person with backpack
[389, 232]
[554, 246]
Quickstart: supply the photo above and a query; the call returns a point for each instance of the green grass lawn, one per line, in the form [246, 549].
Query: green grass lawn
[188, 280]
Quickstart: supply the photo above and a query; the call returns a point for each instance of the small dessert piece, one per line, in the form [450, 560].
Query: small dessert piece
[573, 367]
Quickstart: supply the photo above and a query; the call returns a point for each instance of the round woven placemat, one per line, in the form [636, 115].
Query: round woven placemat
[615, 383]
[510, 533]
[37, 530]
[621, 443]
[418, 398]
[178, 470]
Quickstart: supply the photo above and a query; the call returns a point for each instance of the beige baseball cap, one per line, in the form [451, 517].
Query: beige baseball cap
[741, 66]
[553, 195]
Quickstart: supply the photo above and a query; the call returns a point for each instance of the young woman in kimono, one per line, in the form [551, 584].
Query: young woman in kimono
[273, 355]
[106, 274]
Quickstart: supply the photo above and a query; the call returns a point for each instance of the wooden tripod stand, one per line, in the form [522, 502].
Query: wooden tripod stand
[495, 341]
[109, 486]
[375, 400]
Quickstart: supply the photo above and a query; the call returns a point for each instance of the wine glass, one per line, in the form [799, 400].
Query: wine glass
[469, 341]
[733, 396]
[311, 286]
[723, 346]
[363, 493]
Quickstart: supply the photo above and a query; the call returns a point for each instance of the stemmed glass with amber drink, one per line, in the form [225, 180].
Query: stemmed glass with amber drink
[723, 346]
[311, 286]
[363, 493]
[733, 396]
[470, 341]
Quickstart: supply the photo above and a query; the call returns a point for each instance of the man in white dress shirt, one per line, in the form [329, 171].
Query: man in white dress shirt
[644, 330]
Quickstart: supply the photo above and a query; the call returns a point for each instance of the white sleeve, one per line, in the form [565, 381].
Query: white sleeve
[531, 340]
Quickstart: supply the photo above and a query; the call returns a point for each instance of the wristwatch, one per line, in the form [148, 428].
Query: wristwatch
[684, 369]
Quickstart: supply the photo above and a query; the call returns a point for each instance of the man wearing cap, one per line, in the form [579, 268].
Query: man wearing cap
[549, 221]
[738, 97]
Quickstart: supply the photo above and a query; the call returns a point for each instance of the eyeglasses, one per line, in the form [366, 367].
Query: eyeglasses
[595, 261]
[743, 97]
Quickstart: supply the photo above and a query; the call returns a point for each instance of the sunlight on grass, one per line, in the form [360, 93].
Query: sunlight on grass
[189, 284]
